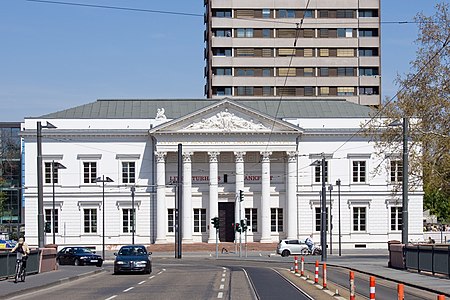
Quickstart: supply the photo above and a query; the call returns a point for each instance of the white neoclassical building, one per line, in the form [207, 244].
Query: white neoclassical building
[264, 148]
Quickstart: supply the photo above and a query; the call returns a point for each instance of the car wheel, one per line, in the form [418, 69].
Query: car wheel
[285, 253]
[304, 251]
[77, 262]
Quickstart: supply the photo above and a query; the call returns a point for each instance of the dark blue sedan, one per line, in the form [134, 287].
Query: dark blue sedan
[133, 258]
[78, 256]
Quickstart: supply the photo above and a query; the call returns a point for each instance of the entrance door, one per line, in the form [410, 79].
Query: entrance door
[226, 219]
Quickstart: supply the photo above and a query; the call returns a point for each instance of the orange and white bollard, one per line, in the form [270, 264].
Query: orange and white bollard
[401, 291]
[372, 288]
[302, 270]
[441, 297]
[295, 264]
[316, 273]
[324, 275]
[352, 285]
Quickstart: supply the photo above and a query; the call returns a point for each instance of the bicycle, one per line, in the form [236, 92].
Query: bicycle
[20, 270]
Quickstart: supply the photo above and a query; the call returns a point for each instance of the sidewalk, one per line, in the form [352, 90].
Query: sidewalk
[366, 261]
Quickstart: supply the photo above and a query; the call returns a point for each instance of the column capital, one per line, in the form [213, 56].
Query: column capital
[160, 156]
[187, 156]
[292, 155]
[213, 156]
[239, 155]
[266, 155]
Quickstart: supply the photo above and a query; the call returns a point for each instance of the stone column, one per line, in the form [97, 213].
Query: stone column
[265, 198]
[291, 196]
[161, 211]
[187, 198]
[213, 193]
[239, 158]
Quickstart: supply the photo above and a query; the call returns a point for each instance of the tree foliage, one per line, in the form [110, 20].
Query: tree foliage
[424, 97]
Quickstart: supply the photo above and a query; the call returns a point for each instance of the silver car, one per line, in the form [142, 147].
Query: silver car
[292, 247]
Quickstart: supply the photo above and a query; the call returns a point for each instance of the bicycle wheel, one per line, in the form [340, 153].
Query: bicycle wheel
[22, 273]
[17, 275]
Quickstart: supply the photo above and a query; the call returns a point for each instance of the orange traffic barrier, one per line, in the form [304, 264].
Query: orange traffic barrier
[316, 274]
[372, 288]
[352, 285]
[295, 265]
[400, 291]
[302, 270]
[441, 297]
[324, 274]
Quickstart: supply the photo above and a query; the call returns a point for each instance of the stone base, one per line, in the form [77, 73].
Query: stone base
[161, 241]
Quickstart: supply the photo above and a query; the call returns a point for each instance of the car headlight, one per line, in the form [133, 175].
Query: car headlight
[120, 262]
[142, 262]
[83, 257]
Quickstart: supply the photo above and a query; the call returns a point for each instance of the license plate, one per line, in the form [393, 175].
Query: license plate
[94, 260]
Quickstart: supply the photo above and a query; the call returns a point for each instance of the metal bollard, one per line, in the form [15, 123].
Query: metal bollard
[372, 288]
[316, 273]
[352, 285]
[401, 291]
[302, 271]
[324, 275]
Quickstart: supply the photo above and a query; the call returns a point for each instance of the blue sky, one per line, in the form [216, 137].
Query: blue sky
[54, 57]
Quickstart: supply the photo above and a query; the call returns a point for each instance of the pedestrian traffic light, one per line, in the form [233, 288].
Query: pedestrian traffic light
[47, 227]
[244, 225]
[241, 195]
[215, 222]
[237, 227]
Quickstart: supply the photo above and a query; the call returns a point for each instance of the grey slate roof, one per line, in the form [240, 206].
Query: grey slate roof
[175, 108]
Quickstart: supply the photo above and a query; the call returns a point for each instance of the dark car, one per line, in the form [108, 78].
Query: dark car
[133, 258]
[78, 256]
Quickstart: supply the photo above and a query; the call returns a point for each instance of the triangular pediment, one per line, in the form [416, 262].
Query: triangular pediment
[226, 116]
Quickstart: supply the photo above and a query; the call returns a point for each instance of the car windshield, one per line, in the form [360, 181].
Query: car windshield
[83, 250]
[132, 251]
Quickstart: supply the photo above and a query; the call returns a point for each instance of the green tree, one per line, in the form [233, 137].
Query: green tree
[424, 97]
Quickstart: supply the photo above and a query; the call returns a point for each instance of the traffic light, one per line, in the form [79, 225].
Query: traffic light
[241, 195]
[244, 225]
[215, 222]
[47, 228]
[237, 227]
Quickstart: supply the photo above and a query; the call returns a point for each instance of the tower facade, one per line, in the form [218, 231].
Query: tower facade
[293, 49]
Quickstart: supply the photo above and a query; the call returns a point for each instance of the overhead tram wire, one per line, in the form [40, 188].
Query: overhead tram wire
[143, 10]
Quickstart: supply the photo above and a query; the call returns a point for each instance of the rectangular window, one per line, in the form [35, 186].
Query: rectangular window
[324, 52]
[359, 171]
[368, 52]
[266, 72]
[244, 91]
[318, 172]
[324, 91]
[396, 218]
[276, 220]
[368, 32]
[171, 220]
[324, 72]
[345, 32]
[345, 13]
[49, 220]
[286, 52]
[244, 32]
[266, 13]
[244, 13]
[396, 171]
[308, 14]
[221, 13]
[222, 32]
[318, 218]
[286, 33]
[308, 33]
[283, 72]
[286, 91]
[308, 53]
[48, 173]
[89, 172]
[251, 215]
[221, 51]
[267, 91]
[127, 220]
[308, 72]
[245, 52]
[222, 71]
[370, 90]
[345, 52]
[90, 220]
[368, 13]
[199, 220]
[222, 91]
[368, 71]
[323, 33]
[359, 219]
[128, 172]
[345, 91]
[308, 91]
[345, 72]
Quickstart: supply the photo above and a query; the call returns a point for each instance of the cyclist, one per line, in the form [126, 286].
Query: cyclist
[22, 250]
[309, 242]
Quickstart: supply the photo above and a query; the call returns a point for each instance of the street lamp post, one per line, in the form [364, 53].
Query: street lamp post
[103, 180]
[323, 208]
[133, 226]
[55, 166]
[40, 182]
[405, 126]
[330, 188]
[338, 183]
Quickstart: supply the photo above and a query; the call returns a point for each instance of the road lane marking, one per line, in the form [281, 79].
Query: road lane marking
[142, 282]
[223, 275]
[128, 289]
[220, 295]
[112, 297]
[151, 277]
[222, 280]
[221, 287]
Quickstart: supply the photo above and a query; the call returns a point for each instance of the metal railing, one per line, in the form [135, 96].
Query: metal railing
[428, 258]
[8, 263]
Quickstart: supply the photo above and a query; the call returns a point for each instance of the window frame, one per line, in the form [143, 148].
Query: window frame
[251, 215]
[276, 219]
[359, 224]
[199, 220]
